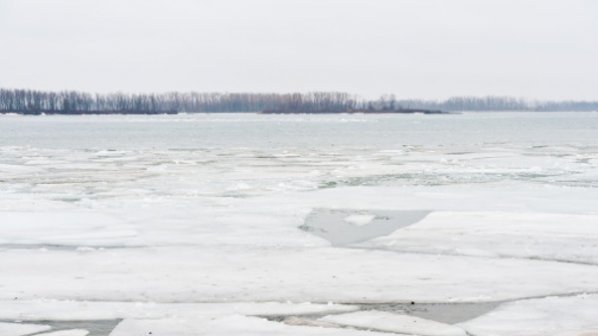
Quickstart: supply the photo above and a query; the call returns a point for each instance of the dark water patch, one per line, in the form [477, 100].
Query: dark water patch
[445, 312]
[345, 227]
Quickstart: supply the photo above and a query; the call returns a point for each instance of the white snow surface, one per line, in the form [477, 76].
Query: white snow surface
[192, 225]
[539, 236]
[560, 316]
[78, 310]
[396, 323]
[20, 329]
[230, 325]
[69, 332]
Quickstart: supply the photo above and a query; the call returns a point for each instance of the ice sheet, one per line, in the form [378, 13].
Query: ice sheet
[70, 332]
[231, 325]
[192, 274]
[382, 321]
[535, 236]
[79, 310]
[20, 329]
[561, 316]
[98, 210]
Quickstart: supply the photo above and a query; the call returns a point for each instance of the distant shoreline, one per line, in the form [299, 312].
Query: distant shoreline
[432, 112]
[38, 113]
[398, 111]
[32, 102]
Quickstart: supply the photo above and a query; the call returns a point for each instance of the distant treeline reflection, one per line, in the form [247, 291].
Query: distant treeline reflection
[74, 102]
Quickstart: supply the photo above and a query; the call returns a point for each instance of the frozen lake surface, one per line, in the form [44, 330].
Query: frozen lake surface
[221, 224]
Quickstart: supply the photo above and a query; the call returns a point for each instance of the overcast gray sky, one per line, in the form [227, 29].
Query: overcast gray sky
[544, 49]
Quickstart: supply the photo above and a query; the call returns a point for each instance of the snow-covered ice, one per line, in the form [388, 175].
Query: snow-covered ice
[20, 329]
[80, 310]
[299, 225]
[396, 323]
[68, 332]
[562, 316]
[230, 325]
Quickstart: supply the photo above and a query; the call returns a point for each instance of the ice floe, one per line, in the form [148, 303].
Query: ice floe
[230, 325]
[383, 321]
[560, 316]
[21, 329]
[69, 332]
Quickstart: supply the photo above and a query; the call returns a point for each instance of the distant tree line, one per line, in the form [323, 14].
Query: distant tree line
[498, 103]
[73, 102]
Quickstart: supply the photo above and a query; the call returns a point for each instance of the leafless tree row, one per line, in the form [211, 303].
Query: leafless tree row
[72, 102]
[495, 103]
